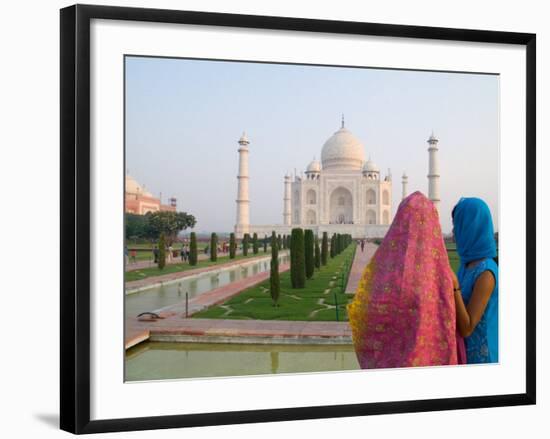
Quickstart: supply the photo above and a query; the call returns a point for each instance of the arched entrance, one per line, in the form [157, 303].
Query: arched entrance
[341, 206]
[371, 216]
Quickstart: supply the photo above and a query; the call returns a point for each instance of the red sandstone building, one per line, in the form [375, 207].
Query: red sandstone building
[139, 201]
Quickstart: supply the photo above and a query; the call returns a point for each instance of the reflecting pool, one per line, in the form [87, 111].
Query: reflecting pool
[157, 360]
[155, 298]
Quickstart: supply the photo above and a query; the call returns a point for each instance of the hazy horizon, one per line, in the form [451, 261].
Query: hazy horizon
[184, 117]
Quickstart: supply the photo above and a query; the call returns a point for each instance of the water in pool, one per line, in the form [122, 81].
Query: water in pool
[156, 360]
[158, 297]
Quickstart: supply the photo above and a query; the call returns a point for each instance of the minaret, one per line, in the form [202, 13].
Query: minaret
[433, 173]
[404, 182]
[243, 203]
[286, 202]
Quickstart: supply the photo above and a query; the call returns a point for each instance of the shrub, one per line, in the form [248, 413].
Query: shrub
[214, 247]
[232, 246]
[246, 239]
[317, 254]
[274, 281]
[193, 249]
[309, 253]
[324, 249]
[162, 251]
[255, 244]
[297, 259]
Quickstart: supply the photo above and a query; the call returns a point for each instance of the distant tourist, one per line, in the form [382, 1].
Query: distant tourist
[156, 254]
[170, 253]
[133, 255]
[402, 314]
[476, 289]
[126, 254]
[362, 245]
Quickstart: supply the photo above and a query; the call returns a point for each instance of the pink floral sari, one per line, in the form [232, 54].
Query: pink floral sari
[403, 313]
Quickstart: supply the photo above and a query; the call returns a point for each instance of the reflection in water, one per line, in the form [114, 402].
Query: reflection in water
[274, 361]
[158, 297]
[155, 360]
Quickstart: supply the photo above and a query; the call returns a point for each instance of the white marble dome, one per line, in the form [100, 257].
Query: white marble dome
[343, 151]
[314, 166]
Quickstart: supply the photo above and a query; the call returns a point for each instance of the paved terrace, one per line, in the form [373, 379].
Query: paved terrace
[178, 329]
[360, 261]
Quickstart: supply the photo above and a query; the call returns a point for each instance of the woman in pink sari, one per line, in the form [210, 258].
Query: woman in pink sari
[403, 313]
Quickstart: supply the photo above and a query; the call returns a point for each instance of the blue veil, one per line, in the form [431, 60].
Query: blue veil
[473, 230]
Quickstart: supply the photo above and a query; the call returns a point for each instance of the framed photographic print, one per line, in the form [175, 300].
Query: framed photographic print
[285, 218]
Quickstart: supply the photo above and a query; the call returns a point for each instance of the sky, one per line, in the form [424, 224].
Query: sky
[184, 118]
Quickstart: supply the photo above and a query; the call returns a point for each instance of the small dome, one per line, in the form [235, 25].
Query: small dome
[370, 166]
[343, 151]
[314, 166]
[132, 186]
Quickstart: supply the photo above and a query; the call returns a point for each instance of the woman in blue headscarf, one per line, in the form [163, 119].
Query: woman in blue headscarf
[476, 289]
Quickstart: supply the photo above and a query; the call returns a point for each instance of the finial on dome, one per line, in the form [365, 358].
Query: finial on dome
[342, 120]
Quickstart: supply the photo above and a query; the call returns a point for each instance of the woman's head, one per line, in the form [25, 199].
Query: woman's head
[473, 230]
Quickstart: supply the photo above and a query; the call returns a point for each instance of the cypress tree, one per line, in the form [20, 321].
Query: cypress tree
[297, 259]
[274, 281]
[324, 249]
[232, 246]
[317, 254]
[309, 253]
[213, 247]
[193, 249]
[255, 244]
[333, 245]
[246, 239]
[162, 251]
[280, 241]
[265, 244]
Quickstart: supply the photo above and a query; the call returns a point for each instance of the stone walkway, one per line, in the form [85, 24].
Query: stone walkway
[153, 280]
[360, 261]
[177, 329]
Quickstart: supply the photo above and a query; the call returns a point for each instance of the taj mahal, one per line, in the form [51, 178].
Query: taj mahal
[343, 193]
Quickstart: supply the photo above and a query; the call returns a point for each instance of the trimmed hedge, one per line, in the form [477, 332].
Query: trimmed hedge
[232, 246]
[162, 251]
[193, 249]
[297, 259]
[213, 247]
[324, 249]
[274, 280]
[309, 253]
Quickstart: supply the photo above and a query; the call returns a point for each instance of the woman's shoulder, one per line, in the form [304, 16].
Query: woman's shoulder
[487, 264]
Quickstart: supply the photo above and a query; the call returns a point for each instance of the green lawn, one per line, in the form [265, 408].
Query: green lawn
[184, 266]
[325, 288]
[453, 256]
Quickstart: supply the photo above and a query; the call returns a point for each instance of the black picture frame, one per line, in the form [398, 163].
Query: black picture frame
[75, 217]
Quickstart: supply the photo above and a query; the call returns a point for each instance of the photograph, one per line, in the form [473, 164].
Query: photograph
[285, 218]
